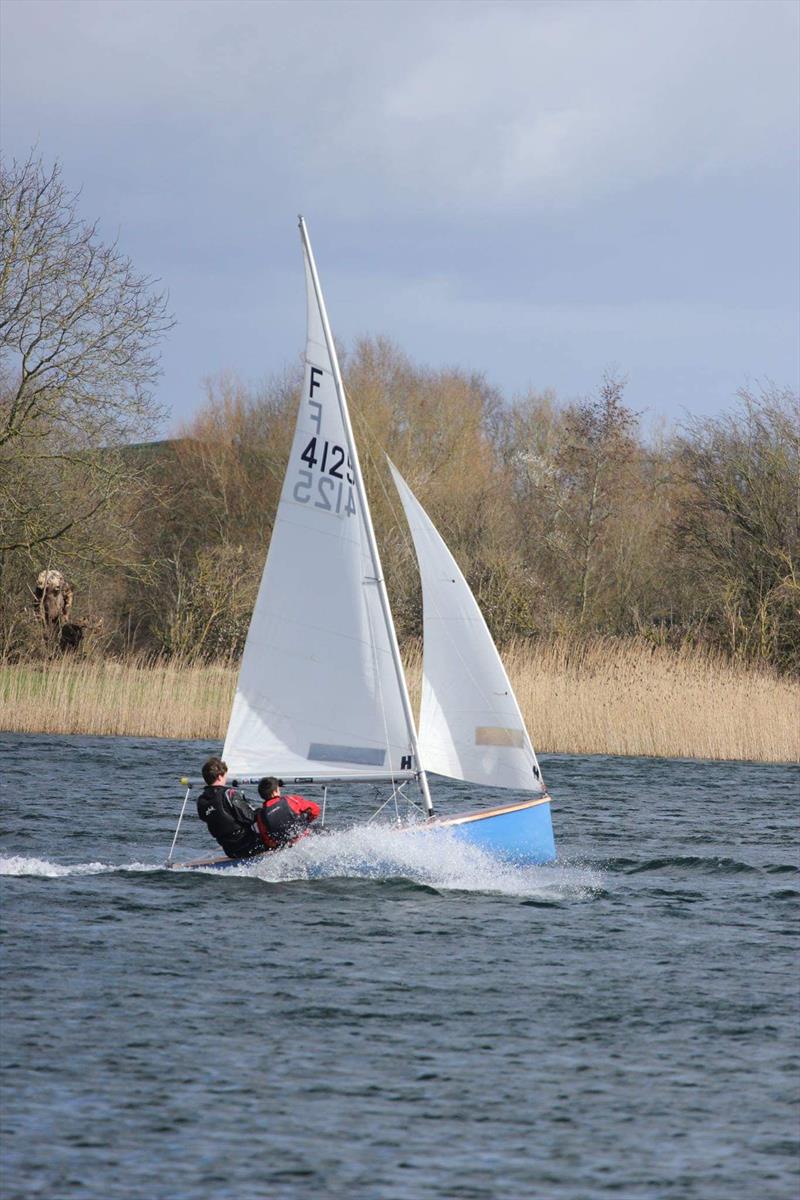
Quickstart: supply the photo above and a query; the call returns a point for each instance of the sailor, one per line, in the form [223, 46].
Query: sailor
[282, 820]
[227, 813]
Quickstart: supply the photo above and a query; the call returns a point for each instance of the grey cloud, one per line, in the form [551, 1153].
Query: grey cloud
[533, 189]
[480, 106]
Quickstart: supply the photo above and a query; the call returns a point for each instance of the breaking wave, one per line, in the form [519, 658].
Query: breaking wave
[20, 864]
[444, 864]
[371, 852]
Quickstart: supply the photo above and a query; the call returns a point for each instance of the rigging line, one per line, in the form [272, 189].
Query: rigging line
[390, 494]
[392, 497]
[180, 818]
[376, 669]
[367, 437]
[367, 556]
[398, 791]
[394, 503]
[373, 580]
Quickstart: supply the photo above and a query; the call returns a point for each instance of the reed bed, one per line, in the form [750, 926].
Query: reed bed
[601, 696]
[145, 698]
[610, 696]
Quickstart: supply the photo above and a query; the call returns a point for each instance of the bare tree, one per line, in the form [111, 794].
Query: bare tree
[79, 335]
[212, 497]
[590, 462]
[738, 526]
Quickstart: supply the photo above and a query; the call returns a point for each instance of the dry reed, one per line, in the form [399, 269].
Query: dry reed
[610, 696]
[157, 698]
[598, 697]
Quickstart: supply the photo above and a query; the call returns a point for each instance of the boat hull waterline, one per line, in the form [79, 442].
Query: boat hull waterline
[521, 834]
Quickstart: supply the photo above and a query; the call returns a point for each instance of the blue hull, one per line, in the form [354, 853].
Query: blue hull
[519, 833]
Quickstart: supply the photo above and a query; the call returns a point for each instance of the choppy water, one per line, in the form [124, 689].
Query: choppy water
[623, 1023]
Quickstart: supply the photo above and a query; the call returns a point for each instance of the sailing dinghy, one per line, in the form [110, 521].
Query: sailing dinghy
[322, 695]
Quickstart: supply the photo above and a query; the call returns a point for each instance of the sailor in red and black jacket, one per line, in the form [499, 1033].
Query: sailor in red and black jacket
[227, 813]
[283, 819]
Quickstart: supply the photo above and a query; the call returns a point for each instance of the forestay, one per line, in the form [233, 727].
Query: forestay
[318, 693]
[470, 725]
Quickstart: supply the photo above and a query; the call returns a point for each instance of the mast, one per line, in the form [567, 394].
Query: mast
[372, 543]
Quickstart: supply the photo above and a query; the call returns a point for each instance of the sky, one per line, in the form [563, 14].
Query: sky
[536, 191]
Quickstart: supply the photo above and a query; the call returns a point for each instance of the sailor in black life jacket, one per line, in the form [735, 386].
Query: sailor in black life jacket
[283, 819]
[227, 813]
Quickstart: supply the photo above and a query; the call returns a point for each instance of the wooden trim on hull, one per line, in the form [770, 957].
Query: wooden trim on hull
[466, 818]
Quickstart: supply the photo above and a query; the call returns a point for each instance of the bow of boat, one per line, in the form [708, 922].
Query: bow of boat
[521, 832]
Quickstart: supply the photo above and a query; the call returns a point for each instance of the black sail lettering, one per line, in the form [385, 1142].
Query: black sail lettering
[314, 382]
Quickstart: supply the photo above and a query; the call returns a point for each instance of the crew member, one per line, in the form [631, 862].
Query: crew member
[282, 820]
[226, 812]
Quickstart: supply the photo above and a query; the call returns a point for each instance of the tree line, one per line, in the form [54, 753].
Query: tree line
[563, 515]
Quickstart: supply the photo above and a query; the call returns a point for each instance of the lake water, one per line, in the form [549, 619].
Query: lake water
[622, 1023]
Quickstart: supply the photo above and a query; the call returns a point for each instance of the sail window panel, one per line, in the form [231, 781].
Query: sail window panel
[365, 756]
[496, 735]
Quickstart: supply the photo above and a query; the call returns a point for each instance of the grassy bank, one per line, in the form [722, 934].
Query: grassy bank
[602, 697]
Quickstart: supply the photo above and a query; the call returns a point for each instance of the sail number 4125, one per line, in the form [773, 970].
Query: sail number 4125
[333, 492]
[331, 461]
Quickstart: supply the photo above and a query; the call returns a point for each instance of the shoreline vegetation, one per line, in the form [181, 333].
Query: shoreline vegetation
[601, 696]
[129, 568]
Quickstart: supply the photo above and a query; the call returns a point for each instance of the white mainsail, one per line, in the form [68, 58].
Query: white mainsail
[318, 694]
[470, 726]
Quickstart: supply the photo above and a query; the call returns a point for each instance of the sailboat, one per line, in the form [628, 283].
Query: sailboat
[322, 695]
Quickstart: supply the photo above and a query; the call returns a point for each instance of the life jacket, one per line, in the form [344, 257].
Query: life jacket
[279, 825]
[230, 820]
